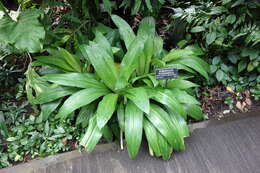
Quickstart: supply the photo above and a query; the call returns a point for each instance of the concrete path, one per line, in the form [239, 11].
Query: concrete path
[231, 146]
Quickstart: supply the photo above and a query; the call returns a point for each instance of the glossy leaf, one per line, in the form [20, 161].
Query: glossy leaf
[166, 97]
[26, 34]
[79, 99]
[129, 63]
[121, 116]
[125, 30]
[164, 126]
[53, 93]
[195, 65]
[92, 135]
[80, 80]
[53, 61]
[152, 137]
[133, 128]
[102, 62]
[105, 109]
[184, 97]
[139, 97]
[181, 84]
[177, 53]
[195, 112]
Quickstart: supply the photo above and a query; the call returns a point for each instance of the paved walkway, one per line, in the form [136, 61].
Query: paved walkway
[229, 147]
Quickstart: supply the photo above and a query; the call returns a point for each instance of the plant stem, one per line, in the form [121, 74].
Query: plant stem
[121, 140]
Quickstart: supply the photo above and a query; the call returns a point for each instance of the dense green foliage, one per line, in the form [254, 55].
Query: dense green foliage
[90, 74]
[229, 32]
[120, 95]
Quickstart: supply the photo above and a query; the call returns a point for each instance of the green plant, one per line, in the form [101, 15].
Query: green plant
[123, 97]
[14, 30]
[229, 33]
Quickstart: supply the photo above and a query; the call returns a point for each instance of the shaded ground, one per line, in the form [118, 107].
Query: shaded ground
[219, 102]
[224, 146]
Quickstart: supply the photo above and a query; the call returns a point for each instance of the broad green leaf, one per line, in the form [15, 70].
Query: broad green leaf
[102, 62]
[196, 49]
[125, 30]
[129, 63]
[152, 137]
[250, 67]
[211, 37]
[149, 5]
[164, 126]
[72, 60]
[177, 53]
[180, 123]
[181, 84]
[167, 98]
[197, 29]
[146, 27]
[80, 80]
[121, 116]
[165, 147]
[105, 109]
[139, 97]
[194, 64]
[183, 97]
[195, 112]
[220, 75]
[137, 6]
[79, 99]
[53, 93]
[101, 40]
[242, 65]
[133, 128]
[180, 67]
[26, 34]
[108, 6]
[53, 61]
[92, 135]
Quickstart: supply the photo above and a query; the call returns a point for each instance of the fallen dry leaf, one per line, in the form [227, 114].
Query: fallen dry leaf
[248, 101]
[65, 141]
[239, 105]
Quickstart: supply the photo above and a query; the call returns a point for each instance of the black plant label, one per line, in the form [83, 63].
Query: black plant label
[166, 73]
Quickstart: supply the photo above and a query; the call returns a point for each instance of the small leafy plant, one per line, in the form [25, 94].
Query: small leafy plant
[123, 98]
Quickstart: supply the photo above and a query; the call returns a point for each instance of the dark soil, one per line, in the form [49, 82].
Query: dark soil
[221, 102]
